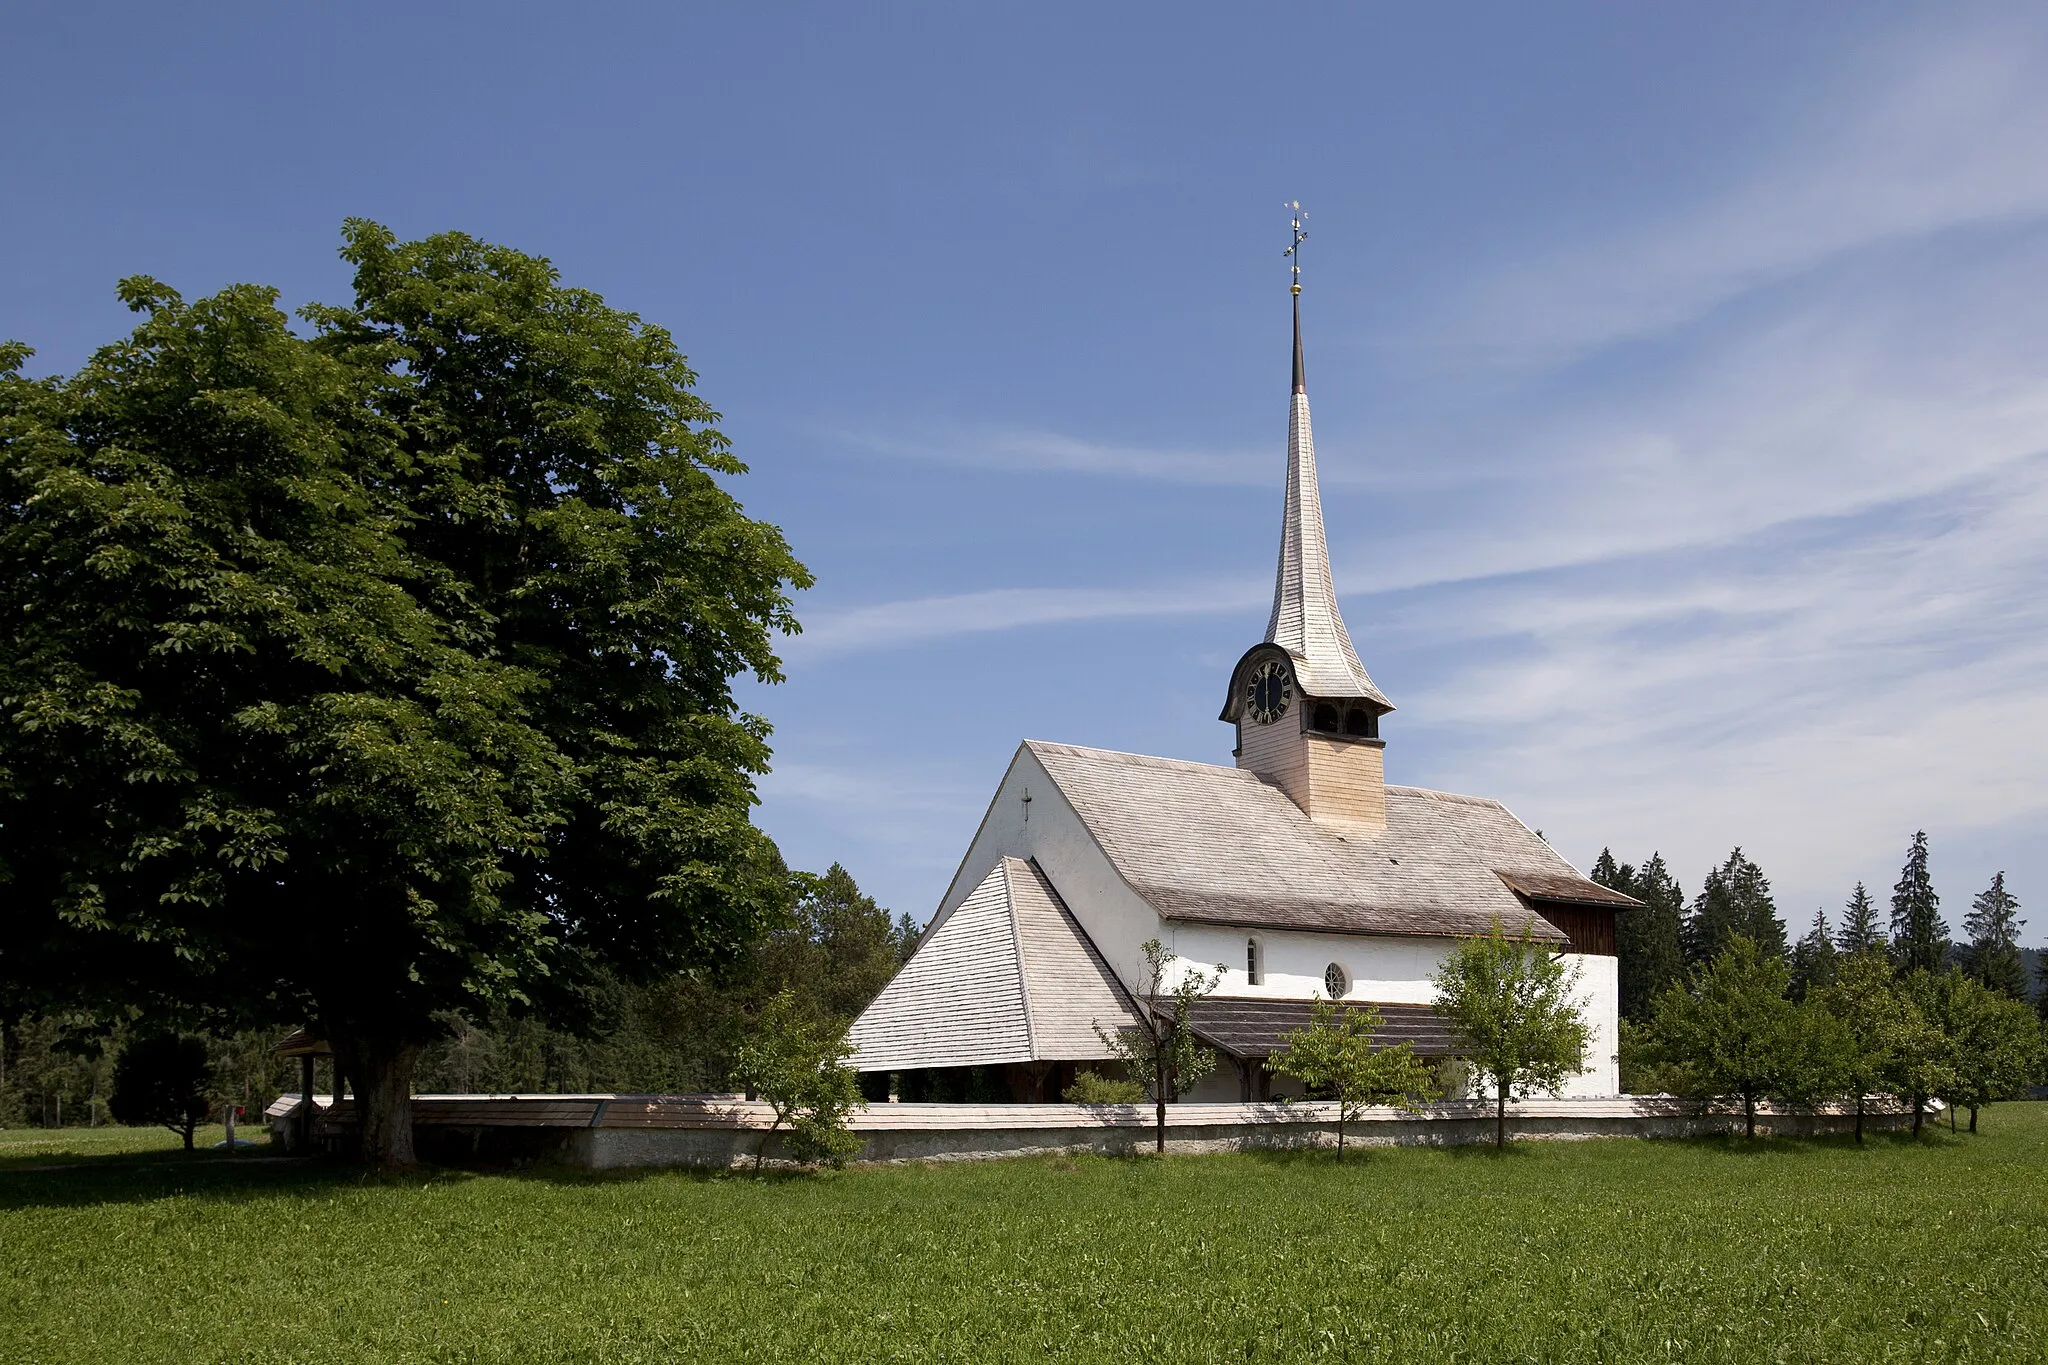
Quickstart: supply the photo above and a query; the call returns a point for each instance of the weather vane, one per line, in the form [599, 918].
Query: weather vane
[1294, 252]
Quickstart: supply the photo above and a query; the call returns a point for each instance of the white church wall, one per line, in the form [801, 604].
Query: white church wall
[1599, 999]
[1395, 970]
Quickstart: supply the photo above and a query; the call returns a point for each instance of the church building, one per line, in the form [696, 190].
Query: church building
[1299, 870]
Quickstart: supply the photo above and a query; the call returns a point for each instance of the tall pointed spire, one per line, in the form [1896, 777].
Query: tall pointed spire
[1305, 620]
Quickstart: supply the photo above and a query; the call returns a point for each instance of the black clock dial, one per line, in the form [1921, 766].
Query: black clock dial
[1268, 691]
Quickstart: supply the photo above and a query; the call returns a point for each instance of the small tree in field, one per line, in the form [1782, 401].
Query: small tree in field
[1871, 1020]
[1993, 1042]
[797, 1063]
[1734, 1032]
[1161, 1051]
[1921, 1069]
[1335, 1057]
[164, 1079]
[1509, 1001]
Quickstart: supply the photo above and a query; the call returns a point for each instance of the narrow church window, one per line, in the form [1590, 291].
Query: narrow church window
[1325, 718]
[1251, 960]
[1335, 982]
[1361, 722]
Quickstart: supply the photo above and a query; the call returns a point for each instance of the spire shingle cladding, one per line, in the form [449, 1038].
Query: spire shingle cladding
[1305, 620]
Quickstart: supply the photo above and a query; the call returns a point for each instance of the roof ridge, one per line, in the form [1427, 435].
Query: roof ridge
[1017, 946]
[1440, 795]
[1040, 745]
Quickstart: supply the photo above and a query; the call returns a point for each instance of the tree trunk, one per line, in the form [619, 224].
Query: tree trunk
[1159, 1078]
[1919, 1106]
[186, 1133]
[1749, 1116]
[382, 1072]
[1973, 1118]
[1859, 1114]
[1340, 1130]
[1500, 1116]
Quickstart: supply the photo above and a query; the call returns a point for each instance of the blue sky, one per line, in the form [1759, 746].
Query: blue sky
[1680, 378]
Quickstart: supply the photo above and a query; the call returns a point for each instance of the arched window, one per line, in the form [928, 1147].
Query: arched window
[1335, 982]
[1361, 722]
[1251, 960]
[1325, 718]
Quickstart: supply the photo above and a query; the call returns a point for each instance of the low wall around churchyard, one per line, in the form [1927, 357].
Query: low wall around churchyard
[617, 1132]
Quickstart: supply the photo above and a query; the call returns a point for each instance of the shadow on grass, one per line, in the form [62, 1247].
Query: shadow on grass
[80, 1181]
[137, 1177]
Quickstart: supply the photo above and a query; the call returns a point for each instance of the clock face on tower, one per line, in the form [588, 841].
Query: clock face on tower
[1267, 692]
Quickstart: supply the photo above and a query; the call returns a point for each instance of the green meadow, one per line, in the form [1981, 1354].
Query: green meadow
[115, 1247]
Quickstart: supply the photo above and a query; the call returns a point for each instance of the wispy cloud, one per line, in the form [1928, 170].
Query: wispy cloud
[886, 625]
[1813, 696]
[1024, 450]
[1937, 128]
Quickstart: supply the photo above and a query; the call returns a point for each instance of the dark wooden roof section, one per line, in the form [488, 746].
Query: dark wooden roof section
[1254, 1029]
[1567, 889]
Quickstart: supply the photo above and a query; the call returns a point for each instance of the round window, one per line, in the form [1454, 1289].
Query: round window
[1335, 982]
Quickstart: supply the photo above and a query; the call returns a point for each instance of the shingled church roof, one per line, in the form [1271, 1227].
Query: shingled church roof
[1009, 976]
[1217, 845]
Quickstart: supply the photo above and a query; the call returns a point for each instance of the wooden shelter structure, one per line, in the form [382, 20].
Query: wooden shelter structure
[302, 1043]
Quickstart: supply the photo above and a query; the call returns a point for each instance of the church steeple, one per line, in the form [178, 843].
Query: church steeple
[1307, 713]
[1305, 620]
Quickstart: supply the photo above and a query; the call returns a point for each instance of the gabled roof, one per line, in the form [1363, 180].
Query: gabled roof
[1217, 845]
[1305, 621]
[1009, 976]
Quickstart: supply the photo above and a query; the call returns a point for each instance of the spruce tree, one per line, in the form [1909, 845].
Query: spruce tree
[1919, 935]
[1612, 875]
[1648, 941]
[1813, 959]
[1735, 902]
[1860, 931]
[1993, 957]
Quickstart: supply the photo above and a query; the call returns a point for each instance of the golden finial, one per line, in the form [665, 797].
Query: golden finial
[1300, 236]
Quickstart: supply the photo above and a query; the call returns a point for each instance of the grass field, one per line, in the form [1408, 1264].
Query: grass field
[1597, 1251]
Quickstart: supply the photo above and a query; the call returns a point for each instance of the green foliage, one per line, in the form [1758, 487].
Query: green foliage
[1873, 1024]
[1334, 1058]
[1091, 1087]
[1649, 943]
[1735, 902]
[1160, 1051]
[1733, 1032]
[381, 674]
[164, 1078]
[1922, 1066]
[1919, 935]
[55, 1069]
[1991, 1042]
[1861, 932]
[1814, 959]
[832, 946]
[1575, 1253]
[797, 1063]
[1993, 925]
[1509, 1003]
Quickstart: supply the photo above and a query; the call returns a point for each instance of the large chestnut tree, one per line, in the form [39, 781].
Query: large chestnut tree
[363, 671]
